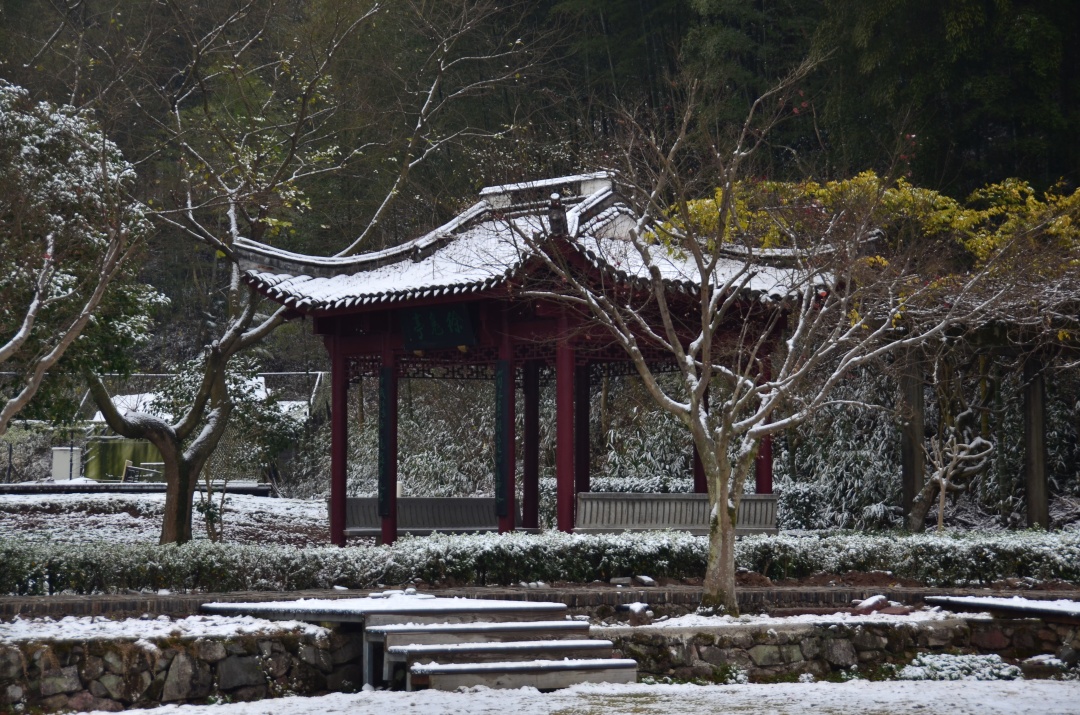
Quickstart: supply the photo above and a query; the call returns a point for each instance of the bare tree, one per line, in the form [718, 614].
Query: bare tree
[249, 127]
[959, 450]
[760, 335]
[67, 226]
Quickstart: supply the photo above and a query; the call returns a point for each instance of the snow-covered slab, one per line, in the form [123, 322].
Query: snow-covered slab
[482, 632]
[523, 666]
[417, 650]
[88, 628]
[406, 628]
[395, 604]
[1015, 606]
[540, 674]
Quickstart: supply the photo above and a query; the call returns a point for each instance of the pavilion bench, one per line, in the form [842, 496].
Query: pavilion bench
[422, 516]
[611, 512]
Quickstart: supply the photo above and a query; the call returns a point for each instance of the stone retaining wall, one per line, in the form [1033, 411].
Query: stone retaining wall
[118, 674]
[771, 653]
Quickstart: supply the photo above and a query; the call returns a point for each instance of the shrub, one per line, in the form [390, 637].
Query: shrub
[28, 568]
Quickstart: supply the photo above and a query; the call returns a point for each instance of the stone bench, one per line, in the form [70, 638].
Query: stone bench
[612, 512]
[422, 516]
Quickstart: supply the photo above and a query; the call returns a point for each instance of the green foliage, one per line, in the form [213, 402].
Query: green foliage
[1007, 223]
[64, 206]
[988, 88]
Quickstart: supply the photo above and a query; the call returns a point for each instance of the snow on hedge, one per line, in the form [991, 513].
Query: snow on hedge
[947, 560]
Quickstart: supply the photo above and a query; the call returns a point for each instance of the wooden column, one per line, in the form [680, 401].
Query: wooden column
[530, 469]
[564, 430]
[582, 451]
[1038, 502]
[701, 484]
[388, 446]
[763, 466]
[912, 458]
[763, 462]
[504, 436]
[339, 439]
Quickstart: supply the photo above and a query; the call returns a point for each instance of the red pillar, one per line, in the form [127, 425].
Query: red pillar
[388, 446]
[504, 429]
[564, 429]
[530, 469]
[701, 484]
[763, 466]
[582, 451]
[763, 463]
[339, 439]
[1035, 459]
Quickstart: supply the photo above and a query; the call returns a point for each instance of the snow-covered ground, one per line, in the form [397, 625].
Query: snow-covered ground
[889, 698]
[136, 518]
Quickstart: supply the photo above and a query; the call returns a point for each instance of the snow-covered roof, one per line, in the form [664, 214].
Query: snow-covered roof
[484, 247]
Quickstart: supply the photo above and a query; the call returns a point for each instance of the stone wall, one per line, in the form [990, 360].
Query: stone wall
[775, 653]
[118, 674]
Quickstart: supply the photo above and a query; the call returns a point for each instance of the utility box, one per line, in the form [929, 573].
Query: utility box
[66, 463]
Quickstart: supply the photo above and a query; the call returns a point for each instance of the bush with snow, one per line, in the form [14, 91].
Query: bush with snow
[950, 559]
[943, 666]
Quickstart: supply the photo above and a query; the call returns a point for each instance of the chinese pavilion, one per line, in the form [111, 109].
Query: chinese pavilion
[474, 299]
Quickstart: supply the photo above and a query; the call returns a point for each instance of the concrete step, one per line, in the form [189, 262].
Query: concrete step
[539, 674]
[447, 611]
[378, 638]
[488, 632]
[408, 655]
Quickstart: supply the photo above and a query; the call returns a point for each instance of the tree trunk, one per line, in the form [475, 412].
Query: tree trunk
[179, 496]
[719, 586]
[720, 575]
[920, 506]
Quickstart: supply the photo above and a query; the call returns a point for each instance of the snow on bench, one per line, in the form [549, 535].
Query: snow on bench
[422, 516]
[539, 674]
[1060, 611]
[612, 512]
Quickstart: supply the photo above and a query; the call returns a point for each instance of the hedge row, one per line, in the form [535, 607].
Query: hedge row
[950, 559]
